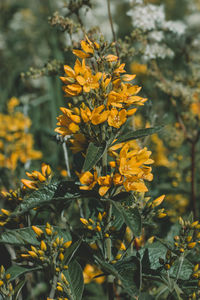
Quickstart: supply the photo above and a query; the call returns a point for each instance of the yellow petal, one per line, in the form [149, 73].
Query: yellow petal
[81, 54]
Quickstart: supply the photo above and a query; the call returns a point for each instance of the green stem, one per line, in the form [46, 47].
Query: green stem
[53, 288]
[179, 267]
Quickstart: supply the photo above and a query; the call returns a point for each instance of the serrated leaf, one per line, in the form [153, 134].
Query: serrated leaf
[26, 236]
[15, 271]
[127, 271]
[46, 195]
[151, 255]
[74, 276]
[131, 217]
[133, 135]
[93, 155]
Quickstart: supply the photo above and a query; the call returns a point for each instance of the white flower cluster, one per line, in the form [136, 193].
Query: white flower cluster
[151, 19]
[146, 17]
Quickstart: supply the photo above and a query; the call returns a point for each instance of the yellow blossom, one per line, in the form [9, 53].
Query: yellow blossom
[90, 272]
[88, 180]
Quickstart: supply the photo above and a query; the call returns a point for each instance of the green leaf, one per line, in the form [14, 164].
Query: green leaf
[18, 288]
[93, 155]
[150, 256]
[15, 271]
[74, 276]
[131, 217]
[47, 194]
[26, 236]
[69, 252]
[127, 271]
[133, 135]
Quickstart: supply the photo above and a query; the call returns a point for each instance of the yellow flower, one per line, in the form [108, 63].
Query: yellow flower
[117, 118]
[68, 122]
[13, 102]
[88, 180]
[138, 68]
[90, 272]
[37, 177]
[195, 107]
[97, 116]
[89, 81]
[105, 183]
[80, 79]
[125, 95]
[88, 48]
[111, 58]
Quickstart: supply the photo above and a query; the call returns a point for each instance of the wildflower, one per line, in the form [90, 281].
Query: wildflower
[97, 116]
[88, 48]
[88, 180]
[105, 183]
[117, 118]
[68, 122]
[89, 274]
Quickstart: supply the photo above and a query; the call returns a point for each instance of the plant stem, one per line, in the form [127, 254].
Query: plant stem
[53, 288]
[193, 193]
[112, 27]
[108, 245]
[66, 157]
[179, 267]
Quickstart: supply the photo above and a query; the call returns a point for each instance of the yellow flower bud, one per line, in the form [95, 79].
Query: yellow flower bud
[59, 288]
[33, 249]
[91, 221]
[106, 235]
[90, 227]
[191, 245]
[196, 267]
[37, 230]
[194, 224]
[162, 215]
[61, 256]
[43, 246]
[84, 221]
[188, 238]
[99, 217]
[195, 275]
[33, 254]
[167, 266]
[98, 228]
[1, 282]
[158, 201]
[6, 212]
[67, 244]
[181, 250]
[118, 256]
[48, 231]
[65, 267]
[8, 276]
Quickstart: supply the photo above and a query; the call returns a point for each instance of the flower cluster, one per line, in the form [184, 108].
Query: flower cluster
[189, 236]
[113, 99]
[129, 170]
[6, 288]
[37, 178]
[50, 250]
[16, 144]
